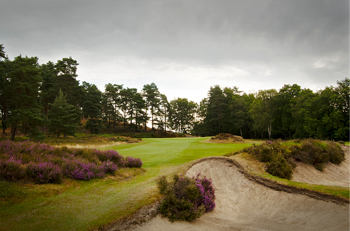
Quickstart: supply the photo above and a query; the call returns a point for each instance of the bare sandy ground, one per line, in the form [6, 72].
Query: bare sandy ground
[336, 175]
[89, 145]
[242, 204]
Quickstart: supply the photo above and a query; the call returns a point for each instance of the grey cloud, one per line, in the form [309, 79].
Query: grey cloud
[282, 35]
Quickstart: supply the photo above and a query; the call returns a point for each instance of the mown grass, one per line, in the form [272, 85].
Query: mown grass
[87, 205]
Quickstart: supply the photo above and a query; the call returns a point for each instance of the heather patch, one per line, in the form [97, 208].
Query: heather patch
[12, 169]
[186, 198]
[44, 172]
[42, 163]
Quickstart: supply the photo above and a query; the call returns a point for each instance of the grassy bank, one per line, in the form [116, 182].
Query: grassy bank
[255, 167]
[87, 205]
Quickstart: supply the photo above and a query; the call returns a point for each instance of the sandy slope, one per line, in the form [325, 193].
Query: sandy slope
[242, 204]
[337, 175]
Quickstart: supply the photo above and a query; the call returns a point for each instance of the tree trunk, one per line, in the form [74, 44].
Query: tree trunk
[241, 132]
[269, 131]
[13, 131]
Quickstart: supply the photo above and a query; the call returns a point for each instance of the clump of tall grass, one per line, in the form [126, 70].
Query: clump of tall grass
[186, 198]
[42, 163]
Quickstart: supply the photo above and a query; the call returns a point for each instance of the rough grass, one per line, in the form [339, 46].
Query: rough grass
[87, 205]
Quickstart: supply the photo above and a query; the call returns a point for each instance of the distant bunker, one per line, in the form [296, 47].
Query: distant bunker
[226, 138]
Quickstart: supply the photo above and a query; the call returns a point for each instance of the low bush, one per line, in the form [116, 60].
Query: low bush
[45, 164]
[44, 172]
[317, 152]
[281, 158]
[12, 169]
[186, 198]
[278, 166]
[111, 155]
[131, 162]
[82, 171]
[109, 167]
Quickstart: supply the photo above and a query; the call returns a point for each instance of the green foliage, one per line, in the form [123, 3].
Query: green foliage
[152, 100]
[317, 152]
[181, 115]
[281, 158]
[279, 166]
[65, 80]
[62, 117]
[21, 92]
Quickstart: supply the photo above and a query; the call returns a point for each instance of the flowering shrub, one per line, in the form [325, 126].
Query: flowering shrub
[82, 171]
[44, 172]
[186, 198]
[46, 164]
[111, 155]
[130, 162]
[109, 167]
[12, 169]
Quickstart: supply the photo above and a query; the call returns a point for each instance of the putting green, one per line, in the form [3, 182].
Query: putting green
[174, 151]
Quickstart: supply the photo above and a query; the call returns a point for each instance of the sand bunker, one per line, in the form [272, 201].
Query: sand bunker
[336, 175]
[242, 204]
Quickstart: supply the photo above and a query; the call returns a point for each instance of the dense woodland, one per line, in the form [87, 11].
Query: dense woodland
[48, 99]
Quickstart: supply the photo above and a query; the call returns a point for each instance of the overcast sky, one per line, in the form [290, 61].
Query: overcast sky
[186, 46]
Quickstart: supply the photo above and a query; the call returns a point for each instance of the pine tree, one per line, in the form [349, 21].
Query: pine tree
[62, 117]
[92, 107]
[22, 93]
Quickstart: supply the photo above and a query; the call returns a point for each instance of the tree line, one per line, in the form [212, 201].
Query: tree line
[48, 99]
[290, 113]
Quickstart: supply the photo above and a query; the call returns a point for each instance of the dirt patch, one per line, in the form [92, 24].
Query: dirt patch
[245, 202]
[226, 138]
[335, 175]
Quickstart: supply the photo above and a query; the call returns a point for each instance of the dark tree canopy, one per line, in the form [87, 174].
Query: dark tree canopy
[63, 116]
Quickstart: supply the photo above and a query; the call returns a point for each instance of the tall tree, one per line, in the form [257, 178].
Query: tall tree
[282, 103]
[63, 117]
[126, 104]
[66, 80]
[262, 110]
[216, 109]
[152, 96]
[92, 107]
[163, 112]
[5, 66]
[23, 93]
[182, 114]
[112, 101]
[139, 106]
[48, 91]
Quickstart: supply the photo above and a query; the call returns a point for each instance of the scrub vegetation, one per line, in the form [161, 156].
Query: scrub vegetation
[281, 157]
[186, 198]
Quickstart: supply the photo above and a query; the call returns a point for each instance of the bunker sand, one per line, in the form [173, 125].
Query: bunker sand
[242, 204]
